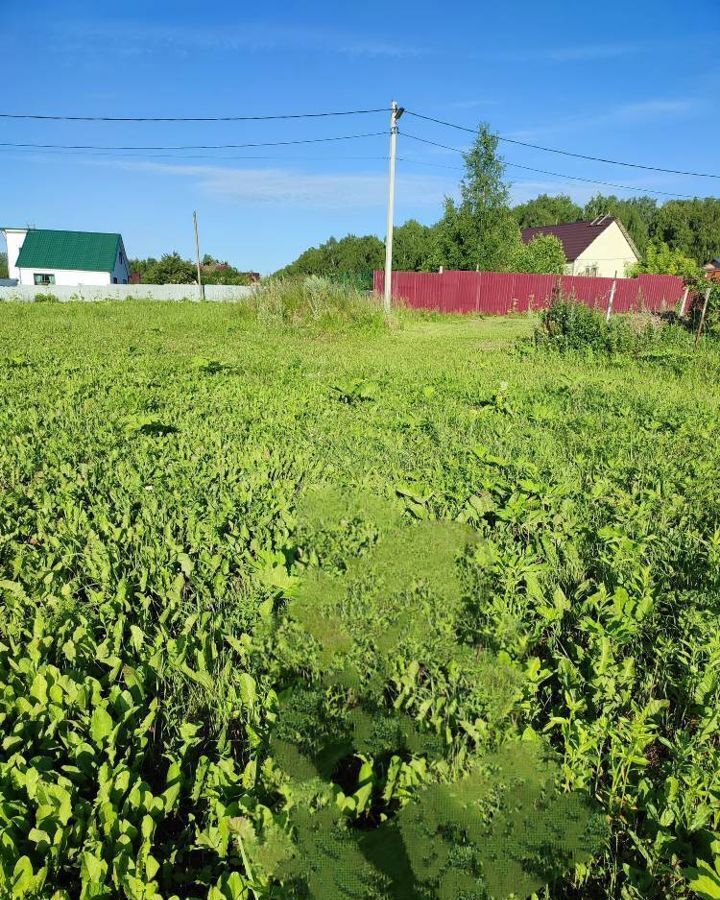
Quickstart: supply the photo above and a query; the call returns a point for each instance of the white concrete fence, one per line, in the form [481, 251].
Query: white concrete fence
[228, 293]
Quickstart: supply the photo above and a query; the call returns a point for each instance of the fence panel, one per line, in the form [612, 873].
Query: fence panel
[218, 292]
[501, 293]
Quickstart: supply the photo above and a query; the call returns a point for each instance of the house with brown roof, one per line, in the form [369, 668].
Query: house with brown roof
[712, 269]
[600, 248]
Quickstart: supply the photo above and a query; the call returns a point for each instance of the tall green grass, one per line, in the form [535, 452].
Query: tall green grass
[317, 302]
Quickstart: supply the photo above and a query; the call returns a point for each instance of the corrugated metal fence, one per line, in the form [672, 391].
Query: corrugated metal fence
[500, 293]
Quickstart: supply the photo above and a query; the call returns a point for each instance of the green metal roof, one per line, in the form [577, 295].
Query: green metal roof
[89, 251]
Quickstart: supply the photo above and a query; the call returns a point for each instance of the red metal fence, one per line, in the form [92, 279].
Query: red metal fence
[500, 293]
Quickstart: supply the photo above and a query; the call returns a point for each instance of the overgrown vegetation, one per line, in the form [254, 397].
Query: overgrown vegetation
[352, 612]
[569, 325]
[313, 301]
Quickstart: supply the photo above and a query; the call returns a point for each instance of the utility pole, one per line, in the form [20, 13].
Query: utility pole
[201, 288]
[395, 113]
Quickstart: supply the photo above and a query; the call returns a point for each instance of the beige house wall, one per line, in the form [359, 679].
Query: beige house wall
[610, 253]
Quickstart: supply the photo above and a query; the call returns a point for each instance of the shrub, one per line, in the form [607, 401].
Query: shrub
[46, 298]
[569, 325]
[544, 254]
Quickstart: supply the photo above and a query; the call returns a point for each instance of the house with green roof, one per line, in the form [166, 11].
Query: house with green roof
[43, 257]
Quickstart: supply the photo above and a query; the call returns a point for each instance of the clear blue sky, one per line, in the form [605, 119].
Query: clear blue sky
[630, 80]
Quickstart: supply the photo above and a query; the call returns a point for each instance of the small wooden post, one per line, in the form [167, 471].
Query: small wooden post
[683, 302]
[201, 288]
[702, 318]
[610, 301]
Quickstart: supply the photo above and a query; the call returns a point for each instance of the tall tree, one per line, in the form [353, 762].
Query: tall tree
[690, 226]
[480, 231]
[3, 265]
[352, 257]
[547, 210]
[413, 245]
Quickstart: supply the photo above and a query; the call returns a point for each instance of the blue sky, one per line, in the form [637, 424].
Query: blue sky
[635, 81]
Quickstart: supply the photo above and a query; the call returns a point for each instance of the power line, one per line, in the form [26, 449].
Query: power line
[115, 156]
[624, 187]
[314, 115]
[601, 159]
[342, 137]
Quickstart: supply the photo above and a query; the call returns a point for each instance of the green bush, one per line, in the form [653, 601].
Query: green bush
[568, 325]
[46, 298]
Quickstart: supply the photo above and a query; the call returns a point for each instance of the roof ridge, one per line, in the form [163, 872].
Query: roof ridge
[576, 236]
[53, 248]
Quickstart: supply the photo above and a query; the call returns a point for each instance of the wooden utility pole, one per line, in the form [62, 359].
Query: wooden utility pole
[201, 288]
[702, 318]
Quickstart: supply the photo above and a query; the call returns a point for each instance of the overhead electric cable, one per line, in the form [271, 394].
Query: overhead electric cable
[314, 115]
[342, 137]
[624, 187]
[601, 159]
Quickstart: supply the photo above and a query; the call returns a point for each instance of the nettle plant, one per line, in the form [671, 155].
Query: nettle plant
[402, 768]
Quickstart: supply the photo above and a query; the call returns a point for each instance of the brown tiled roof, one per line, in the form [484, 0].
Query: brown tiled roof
[575, 237]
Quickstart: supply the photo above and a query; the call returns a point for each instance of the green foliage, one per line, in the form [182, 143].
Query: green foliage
[568, 325]
[503, 830]
[385, 625]
[547, 210]
[659, 259]
[351, 259]
[691, 227]
[413, 247]
[480, 231]
[216, 681]
[46, 298]
[3, 265]
[544, 254]
[313, 301]
[171, 268]
[704, 877]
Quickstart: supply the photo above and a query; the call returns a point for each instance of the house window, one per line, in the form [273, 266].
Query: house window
[591, 271]
[41, 278]
[114, 280]
[121, 258]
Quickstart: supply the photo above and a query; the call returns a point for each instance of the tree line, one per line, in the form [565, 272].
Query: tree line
[171, 268]
[483, 230]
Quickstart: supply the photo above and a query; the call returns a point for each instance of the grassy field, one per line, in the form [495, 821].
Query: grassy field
[359, 612]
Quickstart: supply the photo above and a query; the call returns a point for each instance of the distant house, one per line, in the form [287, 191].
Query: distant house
[41, 257]
[712, 269]
[601, 248]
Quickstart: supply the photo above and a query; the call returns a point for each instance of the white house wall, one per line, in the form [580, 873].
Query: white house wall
[610, 252]
[68, 277]
[14, 240]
